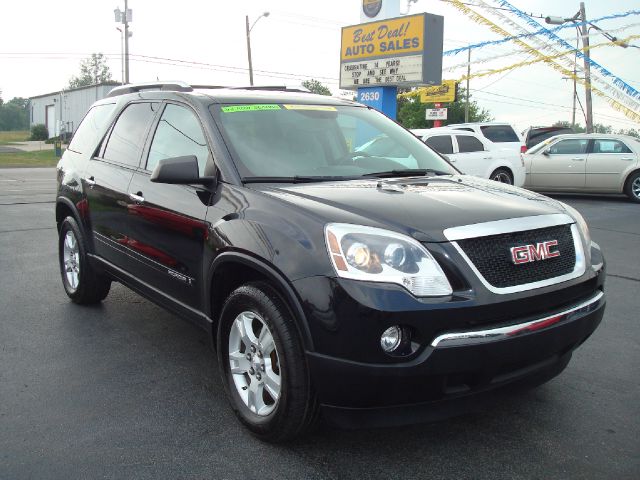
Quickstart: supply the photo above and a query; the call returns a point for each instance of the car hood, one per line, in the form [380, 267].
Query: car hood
[422, 207]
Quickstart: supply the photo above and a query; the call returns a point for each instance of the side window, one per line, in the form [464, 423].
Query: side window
[573, 146]
[87, 136]
[128, 134]
[499, 133]
[440, 143]
[467, 143]
[178, 134]
[610, 146]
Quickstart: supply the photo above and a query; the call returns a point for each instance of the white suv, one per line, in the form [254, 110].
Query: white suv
[500, 133]
[474, 155]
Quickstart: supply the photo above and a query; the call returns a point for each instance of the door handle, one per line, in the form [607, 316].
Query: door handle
[578, 159]
[628, 159]
[90, 181]
[137, 197]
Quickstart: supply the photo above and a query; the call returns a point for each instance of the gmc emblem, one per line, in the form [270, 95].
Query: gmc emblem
[532, 253]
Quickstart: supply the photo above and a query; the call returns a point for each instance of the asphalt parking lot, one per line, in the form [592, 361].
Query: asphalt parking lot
[128, 390]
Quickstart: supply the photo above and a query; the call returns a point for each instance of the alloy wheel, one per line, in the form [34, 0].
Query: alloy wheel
[635, 187]
[71, 259]
[254, 363]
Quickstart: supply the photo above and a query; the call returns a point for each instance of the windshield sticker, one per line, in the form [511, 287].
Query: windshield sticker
[324, 108]
[250, 108]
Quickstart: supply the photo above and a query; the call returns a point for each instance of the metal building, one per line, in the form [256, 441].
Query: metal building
[61, 112]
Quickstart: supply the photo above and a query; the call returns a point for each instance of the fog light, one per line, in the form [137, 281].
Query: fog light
[391, 338]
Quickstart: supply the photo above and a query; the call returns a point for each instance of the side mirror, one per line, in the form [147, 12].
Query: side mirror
[545, 152]
[180, 171]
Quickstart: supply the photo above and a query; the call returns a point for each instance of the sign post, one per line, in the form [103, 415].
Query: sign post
[437, 123]
[378, 57]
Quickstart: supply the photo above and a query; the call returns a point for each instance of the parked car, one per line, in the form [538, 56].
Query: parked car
[534, 135]
[329, 280]
[474, 155]
[501, 133]
[596, 163]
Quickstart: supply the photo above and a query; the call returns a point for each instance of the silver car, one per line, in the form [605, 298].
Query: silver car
[593, 163]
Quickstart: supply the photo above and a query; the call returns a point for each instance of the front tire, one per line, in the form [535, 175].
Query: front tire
[81, 282]
[263, 365]
[502, 175]
[632, 187]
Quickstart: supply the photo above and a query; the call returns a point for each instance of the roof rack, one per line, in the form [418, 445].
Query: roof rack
[178, 86]
[137, 87]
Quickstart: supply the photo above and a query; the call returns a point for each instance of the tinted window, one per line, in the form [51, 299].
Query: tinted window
[178, 134]
[440, 143]
[88, 134]
[610, 146]
[318, 140]
[537, 135]
[500, 133]
[128, 135]
[570, 146]
[467, 143]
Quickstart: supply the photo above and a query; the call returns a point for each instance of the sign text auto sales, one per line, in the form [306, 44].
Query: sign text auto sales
[389, 52]
[394, 40]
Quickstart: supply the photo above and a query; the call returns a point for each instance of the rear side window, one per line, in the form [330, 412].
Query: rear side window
[178, 134]
[499, 133]
[467, 143]
[440, 143]
[610, 146]
[88, 134]
[128, 135]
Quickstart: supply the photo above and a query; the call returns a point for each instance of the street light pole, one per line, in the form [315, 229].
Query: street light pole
[466, 104]
[126, 42]
[587, 68]
[265, 14]
[121, 55]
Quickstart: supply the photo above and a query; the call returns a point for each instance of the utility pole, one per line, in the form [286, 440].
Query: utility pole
[466, 105]
[587, 68]
[126, 42]
[249, 51]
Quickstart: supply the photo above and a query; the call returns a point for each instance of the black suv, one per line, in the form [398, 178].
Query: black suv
[376, 290]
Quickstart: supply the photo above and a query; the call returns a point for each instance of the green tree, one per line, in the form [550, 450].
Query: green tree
[14, 114]
[93, 70]
[316, 87]
[411, 112]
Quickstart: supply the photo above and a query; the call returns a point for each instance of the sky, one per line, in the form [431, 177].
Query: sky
[203, 42]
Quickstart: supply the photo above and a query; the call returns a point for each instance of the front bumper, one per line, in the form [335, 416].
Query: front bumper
[456, 368]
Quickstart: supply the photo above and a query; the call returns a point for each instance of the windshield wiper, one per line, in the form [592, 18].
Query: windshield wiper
[298, 179]
[408, 172]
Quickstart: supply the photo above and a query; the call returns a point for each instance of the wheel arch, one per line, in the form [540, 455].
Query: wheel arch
[231, 269]
[65, 208]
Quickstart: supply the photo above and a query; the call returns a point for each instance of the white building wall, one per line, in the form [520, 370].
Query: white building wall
[70, 107]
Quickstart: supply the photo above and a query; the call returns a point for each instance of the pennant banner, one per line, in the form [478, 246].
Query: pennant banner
[551, 62]
[617, 81]
[455, 51]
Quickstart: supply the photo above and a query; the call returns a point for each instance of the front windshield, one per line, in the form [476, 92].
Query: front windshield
[280, 140]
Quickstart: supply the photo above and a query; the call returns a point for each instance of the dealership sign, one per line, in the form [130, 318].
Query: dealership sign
[404, 51]
[444, 93]
[435, 113]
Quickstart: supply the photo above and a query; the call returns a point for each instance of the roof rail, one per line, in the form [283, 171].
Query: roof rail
[273, 88]
[137, 87]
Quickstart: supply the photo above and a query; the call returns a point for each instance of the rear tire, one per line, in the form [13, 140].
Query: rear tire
[632, 187]
[263, 366]
[502, 175]
[81, 282]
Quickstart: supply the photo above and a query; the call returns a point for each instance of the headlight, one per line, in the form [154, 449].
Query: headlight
[582, 224]
[376, 255]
